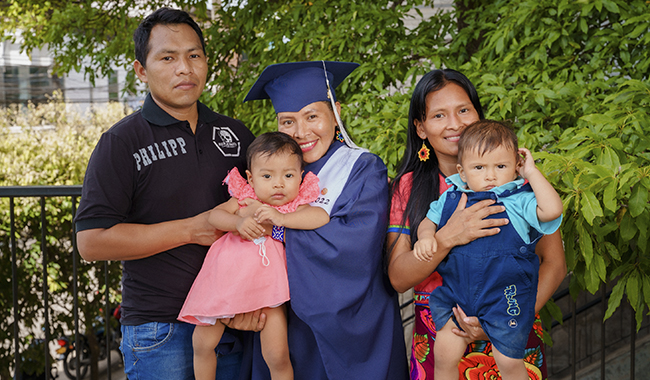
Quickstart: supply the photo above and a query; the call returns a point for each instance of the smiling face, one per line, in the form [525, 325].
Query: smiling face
[449, 110]
[275, 178]
[313, 127]
[484, 172]
[176, 69]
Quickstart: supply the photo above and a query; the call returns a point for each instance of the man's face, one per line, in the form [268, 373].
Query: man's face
[176, 67]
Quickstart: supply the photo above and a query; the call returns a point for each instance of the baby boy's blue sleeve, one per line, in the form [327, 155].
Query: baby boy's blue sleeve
[530, 215]
[435, 209]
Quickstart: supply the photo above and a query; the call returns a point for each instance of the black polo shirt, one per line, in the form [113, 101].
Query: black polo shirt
[150, 168]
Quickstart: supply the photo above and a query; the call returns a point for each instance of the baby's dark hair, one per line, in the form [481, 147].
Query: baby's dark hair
[271, 143]
[484, 136]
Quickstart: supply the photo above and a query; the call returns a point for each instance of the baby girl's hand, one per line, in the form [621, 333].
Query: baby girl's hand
[249, 209]
[527, 164]
[249, 229]
[267, 214]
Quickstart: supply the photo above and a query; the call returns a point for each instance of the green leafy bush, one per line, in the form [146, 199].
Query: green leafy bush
[54, 156]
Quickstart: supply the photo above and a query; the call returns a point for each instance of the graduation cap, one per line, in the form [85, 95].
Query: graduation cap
[293, 85]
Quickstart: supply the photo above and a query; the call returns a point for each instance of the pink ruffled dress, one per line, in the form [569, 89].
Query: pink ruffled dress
[239, 275]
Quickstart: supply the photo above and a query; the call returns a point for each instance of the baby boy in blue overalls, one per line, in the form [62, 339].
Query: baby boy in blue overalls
[493, 278]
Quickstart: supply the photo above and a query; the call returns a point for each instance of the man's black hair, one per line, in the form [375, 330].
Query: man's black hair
[162, 16]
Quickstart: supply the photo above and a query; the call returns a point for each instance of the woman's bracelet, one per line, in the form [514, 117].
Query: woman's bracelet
[277, 233]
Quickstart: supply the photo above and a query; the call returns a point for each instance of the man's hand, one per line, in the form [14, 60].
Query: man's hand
[201, 231]
[252, 321]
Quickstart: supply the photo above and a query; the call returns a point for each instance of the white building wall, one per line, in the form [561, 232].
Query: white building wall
[28, 78]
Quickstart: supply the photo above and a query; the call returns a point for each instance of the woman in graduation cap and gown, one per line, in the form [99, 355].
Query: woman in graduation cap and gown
[343, 317]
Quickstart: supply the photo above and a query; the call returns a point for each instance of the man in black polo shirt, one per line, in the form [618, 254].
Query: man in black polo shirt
[149, 185]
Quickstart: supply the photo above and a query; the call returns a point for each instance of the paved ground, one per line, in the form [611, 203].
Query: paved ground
[117, 372]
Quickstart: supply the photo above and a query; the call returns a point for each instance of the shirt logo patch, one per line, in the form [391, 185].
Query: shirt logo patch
[226, 141]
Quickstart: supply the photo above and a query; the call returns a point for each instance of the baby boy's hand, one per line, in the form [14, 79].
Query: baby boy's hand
[527, 164]
[424, 249]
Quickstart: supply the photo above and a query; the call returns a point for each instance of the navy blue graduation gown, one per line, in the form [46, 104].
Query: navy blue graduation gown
[344, 320]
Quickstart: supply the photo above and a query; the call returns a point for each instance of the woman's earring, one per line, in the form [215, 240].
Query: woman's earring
[339, 135]
[423, 153]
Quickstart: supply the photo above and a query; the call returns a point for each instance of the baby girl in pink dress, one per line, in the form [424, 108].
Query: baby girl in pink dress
[248, 272]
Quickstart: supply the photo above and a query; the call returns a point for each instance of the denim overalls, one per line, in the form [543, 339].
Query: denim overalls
[493, 278]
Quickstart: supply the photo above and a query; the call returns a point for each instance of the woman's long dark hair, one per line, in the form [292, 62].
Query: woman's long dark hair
[426, 175]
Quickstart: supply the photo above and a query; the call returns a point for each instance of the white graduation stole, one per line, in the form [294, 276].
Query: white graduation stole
[334, 175]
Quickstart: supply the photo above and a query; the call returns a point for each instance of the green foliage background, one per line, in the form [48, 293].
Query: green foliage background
[47, 157]
[571, 75]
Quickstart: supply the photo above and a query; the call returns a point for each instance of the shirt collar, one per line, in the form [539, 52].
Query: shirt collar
[462, 185]
[155, 115]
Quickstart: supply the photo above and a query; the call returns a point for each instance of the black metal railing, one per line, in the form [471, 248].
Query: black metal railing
[585, 343]
[566, 358]
[44, 192]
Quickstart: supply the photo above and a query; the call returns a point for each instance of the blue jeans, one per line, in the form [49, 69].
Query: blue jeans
[164, 351]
